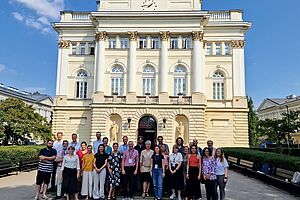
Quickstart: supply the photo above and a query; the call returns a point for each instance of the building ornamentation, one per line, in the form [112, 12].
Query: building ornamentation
[65, 44]
[164, 35]
[197, 35]
[101, 36]
[238, 44]
[133, 35]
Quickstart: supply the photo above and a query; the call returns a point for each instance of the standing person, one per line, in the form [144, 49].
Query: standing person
[108, 149]
[87, 173]
[97, 142]
[185, 155]
[139, 147]
[45, 168]
[193, 175]
[167, 171]
[199, 149]
[130, 164]
[59, 159]
[210, 145]
[74, 143]
[145, 163]
[58, 146]
[114, 164]
[161, 144]
[71, 171]
[157, 169]
[82, 151]
[176, 177]
[100, 164]
[221, 172]
[124, 147]
[179, 143]
[209, 173]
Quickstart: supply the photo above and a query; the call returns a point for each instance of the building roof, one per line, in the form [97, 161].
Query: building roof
[23, 95]
[273, 102]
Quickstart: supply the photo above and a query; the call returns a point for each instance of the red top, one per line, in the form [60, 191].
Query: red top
[193, 160]
[80, 155]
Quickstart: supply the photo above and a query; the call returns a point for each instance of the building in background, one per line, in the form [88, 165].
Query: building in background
[152, 67]
[272, 108]
[42, 103]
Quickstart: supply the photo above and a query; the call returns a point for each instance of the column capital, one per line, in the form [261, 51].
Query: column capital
[197, 35]
[101, 36]
[132, 35]
[239, 44]
[164, 35]
[64, 44]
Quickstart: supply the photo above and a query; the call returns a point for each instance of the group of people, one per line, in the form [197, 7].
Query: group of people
[98, 170]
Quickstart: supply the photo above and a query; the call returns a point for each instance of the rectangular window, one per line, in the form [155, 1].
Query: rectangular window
[208, 49]
[148, 86]
[179, 86]
[81, 90]
[74, 48]
[227, 49]
[112, 43]
[155, 43]
[143, 43]
[218, 91]
[218, 48]
[117, 86]
[186, 43]
[174, 43]
[82, 48]
[92, 48]
[124, 43]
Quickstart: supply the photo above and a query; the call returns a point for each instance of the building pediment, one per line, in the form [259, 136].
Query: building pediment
[148, 5]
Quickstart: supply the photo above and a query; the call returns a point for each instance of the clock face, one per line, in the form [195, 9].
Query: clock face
[149, 5]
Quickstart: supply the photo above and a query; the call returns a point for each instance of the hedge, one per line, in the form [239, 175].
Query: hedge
[292, 152]
[275, 159]
[19, 153]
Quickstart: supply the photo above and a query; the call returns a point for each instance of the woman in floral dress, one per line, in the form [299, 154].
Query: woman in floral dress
[114, 165]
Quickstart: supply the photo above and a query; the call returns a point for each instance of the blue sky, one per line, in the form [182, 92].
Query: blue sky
[28, 47]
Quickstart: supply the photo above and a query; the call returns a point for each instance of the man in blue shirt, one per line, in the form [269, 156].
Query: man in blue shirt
[97, 142]
[124, 147]
[108, 149]
[74, 143]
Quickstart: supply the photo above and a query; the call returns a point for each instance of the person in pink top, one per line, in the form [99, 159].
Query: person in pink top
[130, 163]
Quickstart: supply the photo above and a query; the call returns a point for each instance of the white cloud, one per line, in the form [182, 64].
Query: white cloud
[18, 16]
[2, 67]
[43, 20]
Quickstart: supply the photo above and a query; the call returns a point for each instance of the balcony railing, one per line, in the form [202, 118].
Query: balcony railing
[173, 100]
[232, 15]
[75, 16]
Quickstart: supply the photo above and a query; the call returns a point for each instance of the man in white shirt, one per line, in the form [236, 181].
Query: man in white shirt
[74, 143]
[59, 159]
[57, 145]
[97, 142]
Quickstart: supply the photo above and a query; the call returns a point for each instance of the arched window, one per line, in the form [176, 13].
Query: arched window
[179, 77]
[81, 84]
[218, 86]
[148, 80]
[117, 80]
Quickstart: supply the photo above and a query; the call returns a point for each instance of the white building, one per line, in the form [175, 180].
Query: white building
[149, 65]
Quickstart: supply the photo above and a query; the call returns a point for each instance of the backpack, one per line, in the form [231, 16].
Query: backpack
[296, 178]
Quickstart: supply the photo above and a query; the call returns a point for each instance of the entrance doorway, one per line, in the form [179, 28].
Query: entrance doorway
[148, 129]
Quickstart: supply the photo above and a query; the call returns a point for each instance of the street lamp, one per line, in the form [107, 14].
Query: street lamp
[164, 121]
[129, 120]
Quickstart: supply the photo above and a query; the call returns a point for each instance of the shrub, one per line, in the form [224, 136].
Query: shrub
[278, 160]
[19, 153]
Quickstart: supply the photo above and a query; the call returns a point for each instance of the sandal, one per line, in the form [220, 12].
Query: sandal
[108, 198]
[144, 195]
[147, 194]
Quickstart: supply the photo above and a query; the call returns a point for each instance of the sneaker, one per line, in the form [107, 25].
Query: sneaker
[173, 196]
[179, 198]
[36, 197]
[45, 197]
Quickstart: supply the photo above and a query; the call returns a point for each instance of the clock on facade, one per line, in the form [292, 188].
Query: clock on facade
[149, 5]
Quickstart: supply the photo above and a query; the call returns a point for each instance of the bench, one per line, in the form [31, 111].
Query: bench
[284, 174]
[7, 167]
[246, 164]
[29, 164]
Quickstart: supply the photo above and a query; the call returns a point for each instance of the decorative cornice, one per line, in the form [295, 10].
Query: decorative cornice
[132, 35]
[238, 44]
[101, 36]
[197, 35]
[65, 44]
[164, 35]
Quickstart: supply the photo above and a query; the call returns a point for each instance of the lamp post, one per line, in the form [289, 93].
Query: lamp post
[164, 121]
[129, 120]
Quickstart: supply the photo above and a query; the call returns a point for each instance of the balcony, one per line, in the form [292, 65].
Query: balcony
[226, 16]
[67, 16]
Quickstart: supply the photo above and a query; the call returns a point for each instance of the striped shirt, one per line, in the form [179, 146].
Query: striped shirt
[46, 165]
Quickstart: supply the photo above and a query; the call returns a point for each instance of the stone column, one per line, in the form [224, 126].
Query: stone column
[163, 67]
[99, 66]
[62, 67]
[131, 79]
[198, 68]
[238, 69]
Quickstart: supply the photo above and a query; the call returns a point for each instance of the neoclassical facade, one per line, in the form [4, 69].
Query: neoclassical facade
[152, 67]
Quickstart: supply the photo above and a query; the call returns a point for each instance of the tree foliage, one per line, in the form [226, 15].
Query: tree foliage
[252, 124]
[18, 121]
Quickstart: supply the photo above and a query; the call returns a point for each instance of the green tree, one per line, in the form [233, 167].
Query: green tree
[252, 124]
[19, 120]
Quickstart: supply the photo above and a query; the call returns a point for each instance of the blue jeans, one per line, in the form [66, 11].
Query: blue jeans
[157, 178]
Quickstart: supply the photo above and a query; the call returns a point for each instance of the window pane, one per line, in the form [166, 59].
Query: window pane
[208, 49]
[74, 48]
[218, 49]
[227, 49]
[82, 48]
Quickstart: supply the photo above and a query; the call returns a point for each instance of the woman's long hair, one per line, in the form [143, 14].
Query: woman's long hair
[209, 150]
[221, 156]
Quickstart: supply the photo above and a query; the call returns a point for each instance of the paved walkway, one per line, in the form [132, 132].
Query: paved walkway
[21, 187]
